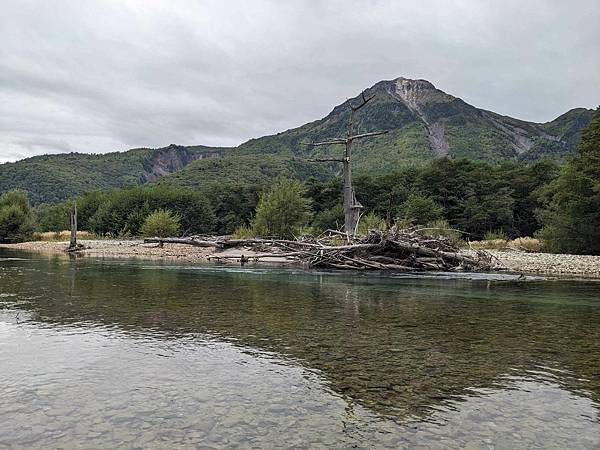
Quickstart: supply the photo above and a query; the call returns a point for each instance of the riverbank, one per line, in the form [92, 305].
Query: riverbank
[135, 248]
[547, 263]
[509, 260]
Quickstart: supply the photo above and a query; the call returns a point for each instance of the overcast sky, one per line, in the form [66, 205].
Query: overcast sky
[99, 76]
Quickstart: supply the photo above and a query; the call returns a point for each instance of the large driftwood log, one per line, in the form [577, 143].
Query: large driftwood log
[185, 241]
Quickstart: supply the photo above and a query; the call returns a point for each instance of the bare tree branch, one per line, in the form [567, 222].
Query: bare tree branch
[364, 135]
[345, 140]
[364, 99]
[328, 142]
[326, 160]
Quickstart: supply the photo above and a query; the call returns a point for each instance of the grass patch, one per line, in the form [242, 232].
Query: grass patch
[525, 244]
[59, 236]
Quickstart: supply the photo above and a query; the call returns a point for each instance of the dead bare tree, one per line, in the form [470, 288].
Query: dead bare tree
[73, 245]
[73, 241]
[352, 206]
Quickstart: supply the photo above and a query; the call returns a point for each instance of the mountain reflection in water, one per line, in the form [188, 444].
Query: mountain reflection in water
[243, 357]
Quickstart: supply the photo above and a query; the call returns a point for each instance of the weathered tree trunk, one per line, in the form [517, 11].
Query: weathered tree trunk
[73, 241]
[351, 206]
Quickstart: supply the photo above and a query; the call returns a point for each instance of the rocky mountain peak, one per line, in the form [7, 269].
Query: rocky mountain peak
[414, 93]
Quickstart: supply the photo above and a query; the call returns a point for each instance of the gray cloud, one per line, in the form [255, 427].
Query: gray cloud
[105, 75]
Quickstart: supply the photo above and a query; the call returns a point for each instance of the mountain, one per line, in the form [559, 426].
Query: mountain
[425, 122]
[422, 121]
[54, 178]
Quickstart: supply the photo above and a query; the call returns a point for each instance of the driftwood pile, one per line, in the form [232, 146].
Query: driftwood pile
[398, 250]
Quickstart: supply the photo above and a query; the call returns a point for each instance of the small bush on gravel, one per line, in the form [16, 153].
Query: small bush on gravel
[161, 223]
[283, 210]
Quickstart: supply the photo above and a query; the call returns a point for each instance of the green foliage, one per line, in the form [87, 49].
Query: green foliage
[571, 214]
[421, 209]
[330, 219]
[16, 219]
[53, 217]
[232, 184]
[478, 197]
[283, 210]
[243, 232]
[15, 197]
[474, 197]
[371, 221]
[122, 212]
[441, 227]
[470, 132]
[161, 223]
[56, 178]
[497, 235]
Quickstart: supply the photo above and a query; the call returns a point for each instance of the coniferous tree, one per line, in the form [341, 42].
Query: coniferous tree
[571, 218]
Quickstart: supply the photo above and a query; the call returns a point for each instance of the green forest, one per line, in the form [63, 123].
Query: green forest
[559, 204]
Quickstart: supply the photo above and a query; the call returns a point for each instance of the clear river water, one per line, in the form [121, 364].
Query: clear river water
[140, 354]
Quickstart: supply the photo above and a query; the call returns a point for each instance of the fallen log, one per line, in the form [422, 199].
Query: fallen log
[257, 256]
[184, 241]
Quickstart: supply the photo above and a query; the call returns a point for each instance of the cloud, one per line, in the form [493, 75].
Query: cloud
[104, 75]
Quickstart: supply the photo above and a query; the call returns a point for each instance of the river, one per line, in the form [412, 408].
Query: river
[99, 353]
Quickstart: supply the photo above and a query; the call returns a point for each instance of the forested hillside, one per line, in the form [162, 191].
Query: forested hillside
[422, 123]
[54, 178]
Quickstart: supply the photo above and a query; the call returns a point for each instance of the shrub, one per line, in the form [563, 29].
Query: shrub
[526, 244]
[123, 211]
[571, 216]
[16, 219]
[490, 244]
[60, 236]
[161, 223]
[243, 232]
[282, 211]
[497, 235]
[54, 217]
[421, 209]
[330, 219]
[371, 221]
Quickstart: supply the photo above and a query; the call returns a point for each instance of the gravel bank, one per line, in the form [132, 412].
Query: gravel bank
[119, 249]
[547, 263]
[511, 260]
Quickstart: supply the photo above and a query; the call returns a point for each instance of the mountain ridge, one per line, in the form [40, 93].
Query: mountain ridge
[423, 122]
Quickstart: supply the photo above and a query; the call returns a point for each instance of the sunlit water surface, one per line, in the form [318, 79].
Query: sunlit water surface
[137, 354]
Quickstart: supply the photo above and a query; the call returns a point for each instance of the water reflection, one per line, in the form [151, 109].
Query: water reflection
[398, 361]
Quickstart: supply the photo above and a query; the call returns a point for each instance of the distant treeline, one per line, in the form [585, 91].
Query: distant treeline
[560, 205]
[474, 197]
